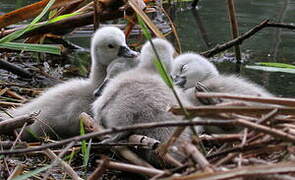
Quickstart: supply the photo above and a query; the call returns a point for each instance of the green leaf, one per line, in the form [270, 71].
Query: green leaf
[275, 64]
[87, 153]
[32, 173]
[29, 27]
[163, 73]
[271, 69]
[58, 18]
[82, 132]
[144, 28]
[52, 49]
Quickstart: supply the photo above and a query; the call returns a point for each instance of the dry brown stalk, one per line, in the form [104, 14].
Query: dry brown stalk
[123, 151]
[225, 159]
[133, 168]
[15, 69]
[102, 167]
[214, 110]
[270, 131]
[249, 147]
[136, 7]
[8, 144]
[18, 170]
[10, 125]
[279, 168]
[18, 136]
[57, 159]
[122, 129]
[147, 141]
[234, 27]
[65, 25]
[221, 137]
[197, 156]
[9, 104]
[30, 11]
[272, 100]
[15, 95]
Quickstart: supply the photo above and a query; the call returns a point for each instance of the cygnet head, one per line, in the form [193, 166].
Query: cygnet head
[109, 43]
[189, 68]
[163, 48]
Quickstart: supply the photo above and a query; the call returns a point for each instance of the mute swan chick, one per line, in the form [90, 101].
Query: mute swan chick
[190, 68]
[116, 67]
[61, 105]
[139, 96]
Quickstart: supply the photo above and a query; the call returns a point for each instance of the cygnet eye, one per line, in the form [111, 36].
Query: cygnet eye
[184, 68]
[111, 46]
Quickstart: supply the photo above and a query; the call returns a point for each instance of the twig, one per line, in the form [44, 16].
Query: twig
[279, 168]
[144, 140]
[57, 159]
[18, 136]
[15, 69]
[219, 48]
[100, 169]
[234, 27]
[9, 125]
[9, 144]
[16, 172]
[221, 137]
[281, 25]
[123, 151]
[133, 168]
[197, 156]
[215, 110]
[270, 100]
[122, 129]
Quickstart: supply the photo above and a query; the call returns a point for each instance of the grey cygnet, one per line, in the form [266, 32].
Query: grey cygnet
[190, 68]
[61, 105]
[139, 96]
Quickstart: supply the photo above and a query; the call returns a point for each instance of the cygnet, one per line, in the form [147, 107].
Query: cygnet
[189, 69]
[139, 96]
[61, 105]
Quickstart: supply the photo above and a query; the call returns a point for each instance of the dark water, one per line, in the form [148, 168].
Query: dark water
[207, 26]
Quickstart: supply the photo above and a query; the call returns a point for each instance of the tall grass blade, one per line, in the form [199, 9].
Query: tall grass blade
[52, 49]
[31, 26]
[58, 18]
[32, 173]
[157, 62]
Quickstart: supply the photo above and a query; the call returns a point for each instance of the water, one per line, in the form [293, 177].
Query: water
[202, 29]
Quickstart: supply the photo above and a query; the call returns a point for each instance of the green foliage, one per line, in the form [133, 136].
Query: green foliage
[271, 69]
[275, 64]
[84, 148]
[157, 62]
[5, 42]
[29, 27]
[58, 18]
[32, 173]
[45, 48]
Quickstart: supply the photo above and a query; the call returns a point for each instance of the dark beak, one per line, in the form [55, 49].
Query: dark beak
[180, 81]
[125, 51]
[99, 90]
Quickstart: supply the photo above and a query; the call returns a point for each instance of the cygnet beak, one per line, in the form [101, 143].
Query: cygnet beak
[180, 81]
[99, 90]
[125, 51]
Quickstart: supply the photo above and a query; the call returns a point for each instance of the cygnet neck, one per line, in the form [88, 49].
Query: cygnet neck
[98, 71]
